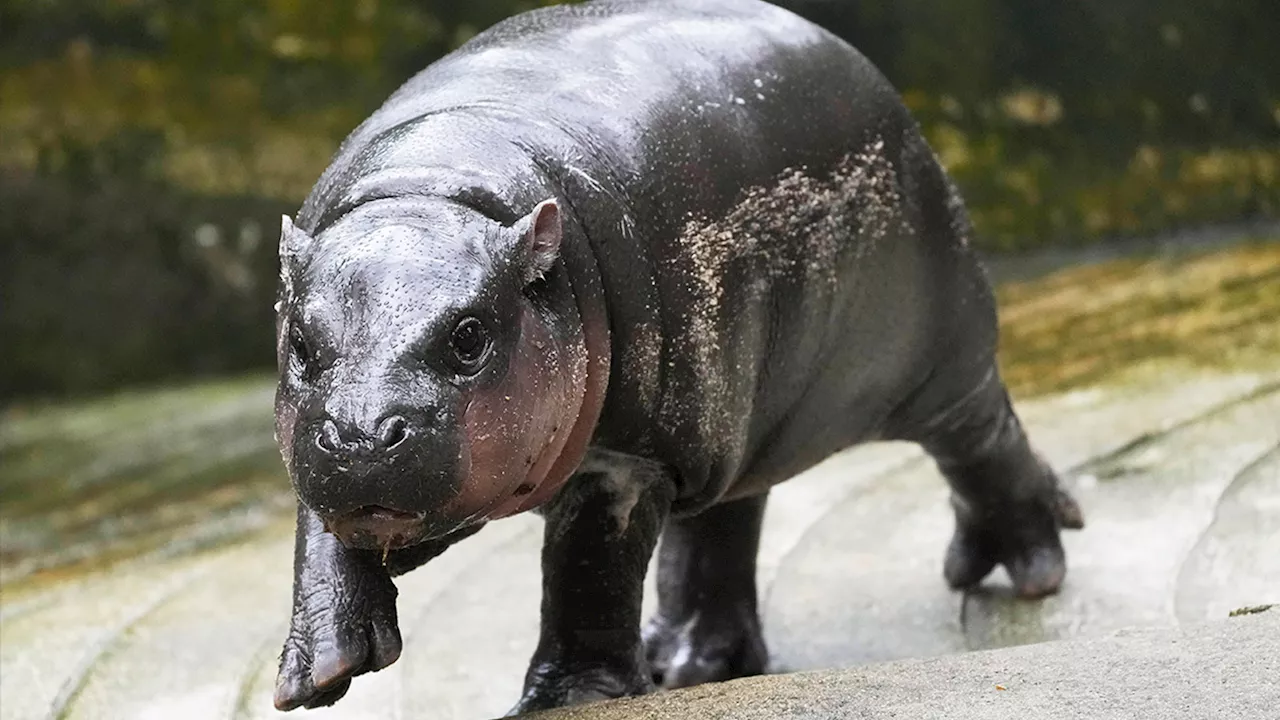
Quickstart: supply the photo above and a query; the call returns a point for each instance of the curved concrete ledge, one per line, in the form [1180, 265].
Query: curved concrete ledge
[1226, 669]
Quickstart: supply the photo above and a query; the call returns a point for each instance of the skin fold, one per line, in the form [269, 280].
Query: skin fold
[628, 265]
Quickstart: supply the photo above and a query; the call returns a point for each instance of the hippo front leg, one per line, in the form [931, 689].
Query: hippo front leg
[344, 613]
[344, 618]
[600, 532]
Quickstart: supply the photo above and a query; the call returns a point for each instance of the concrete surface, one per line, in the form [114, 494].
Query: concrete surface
[1173, 451]
[1220, 670]
[849, 574]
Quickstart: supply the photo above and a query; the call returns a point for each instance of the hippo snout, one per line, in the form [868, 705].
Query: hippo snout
[390, 434]
[379, 477]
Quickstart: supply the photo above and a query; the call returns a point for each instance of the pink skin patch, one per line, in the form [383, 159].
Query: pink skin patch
[596, 343]
[515, 432]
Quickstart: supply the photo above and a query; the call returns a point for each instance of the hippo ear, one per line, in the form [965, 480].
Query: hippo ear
[540, 233]
[293, 242]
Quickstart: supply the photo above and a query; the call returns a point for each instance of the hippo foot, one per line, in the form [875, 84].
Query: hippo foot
[709, 647]
[547, 686]
[1022, 538]
[338, 631]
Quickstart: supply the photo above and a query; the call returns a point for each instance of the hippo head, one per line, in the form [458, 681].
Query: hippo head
[432, 366]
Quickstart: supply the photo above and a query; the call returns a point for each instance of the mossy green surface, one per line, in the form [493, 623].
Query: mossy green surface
[130, 472]
[1138, 317]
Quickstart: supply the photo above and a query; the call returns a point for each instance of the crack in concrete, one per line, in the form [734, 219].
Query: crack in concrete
[1148, 438]
[78, 679]
[266, 653]
[1251, 472]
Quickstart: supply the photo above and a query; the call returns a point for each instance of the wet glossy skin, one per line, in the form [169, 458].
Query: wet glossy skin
[708, 248]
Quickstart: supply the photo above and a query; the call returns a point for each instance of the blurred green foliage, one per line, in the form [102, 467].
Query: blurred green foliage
[147, 147]
[1075, 121]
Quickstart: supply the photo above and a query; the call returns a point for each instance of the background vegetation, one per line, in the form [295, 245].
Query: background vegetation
[148, 147]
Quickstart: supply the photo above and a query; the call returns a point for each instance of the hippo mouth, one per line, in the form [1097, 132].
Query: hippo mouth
[374, 527]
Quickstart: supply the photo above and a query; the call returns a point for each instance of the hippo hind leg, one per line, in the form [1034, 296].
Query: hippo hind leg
[1008, 504]
[707, 627]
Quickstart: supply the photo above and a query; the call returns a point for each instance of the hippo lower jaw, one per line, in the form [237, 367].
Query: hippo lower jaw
[378, 528]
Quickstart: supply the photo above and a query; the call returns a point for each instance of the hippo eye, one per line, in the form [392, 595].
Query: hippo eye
[299, 348]
[470, 341]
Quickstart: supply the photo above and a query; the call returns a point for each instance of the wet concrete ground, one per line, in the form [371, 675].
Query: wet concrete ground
[154, 581]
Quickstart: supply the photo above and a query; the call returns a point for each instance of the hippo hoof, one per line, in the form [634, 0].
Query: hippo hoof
[710, 647]
[333, 642]
[1023, 539]
[548, 687]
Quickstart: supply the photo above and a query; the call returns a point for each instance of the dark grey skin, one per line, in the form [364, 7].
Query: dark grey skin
[629, 265]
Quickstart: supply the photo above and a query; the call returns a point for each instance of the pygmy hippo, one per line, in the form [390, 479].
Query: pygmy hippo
[629, 264]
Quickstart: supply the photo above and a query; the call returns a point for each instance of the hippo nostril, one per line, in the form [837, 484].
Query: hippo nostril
[329, 440]
[392, 432]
